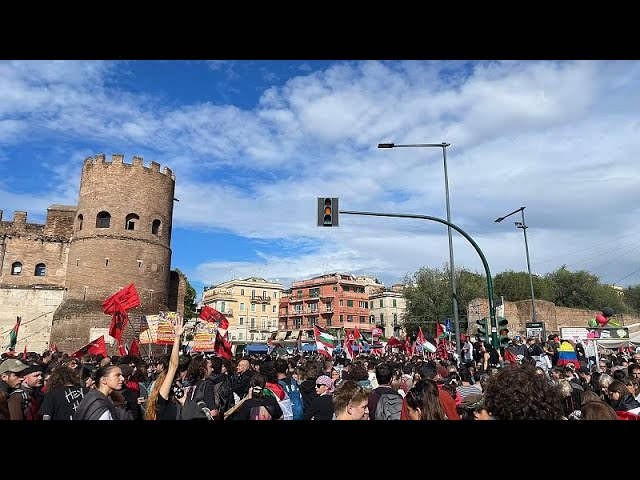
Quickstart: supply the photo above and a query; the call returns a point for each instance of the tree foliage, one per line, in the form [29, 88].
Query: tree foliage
[428, 294]
[189, 297]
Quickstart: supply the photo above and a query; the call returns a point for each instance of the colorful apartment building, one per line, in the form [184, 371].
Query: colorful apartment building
[250, 305]
[336, 300]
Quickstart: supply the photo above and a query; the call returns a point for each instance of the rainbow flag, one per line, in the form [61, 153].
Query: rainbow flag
[567, 355]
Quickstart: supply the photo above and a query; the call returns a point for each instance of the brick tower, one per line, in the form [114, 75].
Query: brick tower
[121, 235]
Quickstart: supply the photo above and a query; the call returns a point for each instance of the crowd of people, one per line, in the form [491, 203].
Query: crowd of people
[394, 386]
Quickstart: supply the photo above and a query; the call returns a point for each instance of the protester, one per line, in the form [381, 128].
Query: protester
[350, 401]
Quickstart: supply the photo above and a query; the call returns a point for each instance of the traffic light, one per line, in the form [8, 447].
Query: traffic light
[327, 212]
[483, 328]
[503, 330]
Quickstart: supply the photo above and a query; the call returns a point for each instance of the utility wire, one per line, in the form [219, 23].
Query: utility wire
[635, 247]
[584, 249]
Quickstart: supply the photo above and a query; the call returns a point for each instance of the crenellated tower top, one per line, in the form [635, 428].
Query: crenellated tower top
[117, 161]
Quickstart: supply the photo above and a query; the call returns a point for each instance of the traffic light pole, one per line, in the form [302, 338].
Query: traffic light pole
[492, 307]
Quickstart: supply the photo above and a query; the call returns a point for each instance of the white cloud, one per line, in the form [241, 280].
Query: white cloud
[558, 137]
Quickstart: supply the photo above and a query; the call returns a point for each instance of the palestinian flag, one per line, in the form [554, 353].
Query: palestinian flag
[441, 332]
[13, 334]
[567, 355]
[325, 342]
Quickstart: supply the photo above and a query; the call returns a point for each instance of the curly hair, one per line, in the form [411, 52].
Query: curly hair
[518, 393]
[63, 376]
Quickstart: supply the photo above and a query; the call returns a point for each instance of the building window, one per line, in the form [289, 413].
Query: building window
[381, 303]
[130, 221]
[264, 308]
[341, 319]
[253, 322]
[80, 219]
[16, 268]
[77, 262]
[275, 294]
[155, 227]
[264, 294]
[382, 319]
[41, 270]
[103, 220]
[341, 303]
[362, 319]
[253, 294]
[395, 320]
[273, 309]
[252, 337]
[242, 291]
[349, 303]
[241, 321]
[371, 307]
[394, 303]
[139, 263]
[253, 307]
[242, 306]
[106, 262]
[223, 306]
[240, 336]
[349, 318]
[335, 289]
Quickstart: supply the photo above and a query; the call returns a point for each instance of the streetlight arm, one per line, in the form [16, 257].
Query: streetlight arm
[499, 219]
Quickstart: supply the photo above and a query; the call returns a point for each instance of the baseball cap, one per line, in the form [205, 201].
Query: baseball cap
[12, 365]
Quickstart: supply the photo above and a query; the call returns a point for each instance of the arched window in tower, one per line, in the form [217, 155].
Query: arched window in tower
[16, 268]
[155, 227]
[131, 221]
[103, 220]
[80, 220]
[41, 270]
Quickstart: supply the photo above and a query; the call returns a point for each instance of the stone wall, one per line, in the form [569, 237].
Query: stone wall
[518, 313]
[36, 306]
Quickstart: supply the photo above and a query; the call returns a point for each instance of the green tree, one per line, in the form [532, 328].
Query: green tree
[632, 297]
[575, 289]
[515, 286]
[189, 297]
[428, 294]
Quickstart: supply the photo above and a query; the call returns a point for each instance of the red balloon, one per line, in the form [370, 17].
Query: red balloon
[601, 319]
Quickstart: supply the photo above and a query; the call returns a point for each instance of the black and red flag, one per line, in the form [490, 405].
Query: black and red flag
[117, 306]
[222, 346]
[95, 347]
[209, 314]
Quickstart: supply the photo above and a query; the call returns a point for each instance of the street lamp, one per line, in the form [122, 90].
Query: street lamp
[454, 295]
[524, 227]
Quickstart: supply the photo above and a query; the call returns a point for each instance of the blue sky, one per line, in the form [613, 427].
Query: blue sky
[253, 143]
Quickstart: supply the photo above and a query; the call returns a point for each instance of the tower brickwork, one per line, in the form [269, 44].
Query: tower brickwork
[122, 231]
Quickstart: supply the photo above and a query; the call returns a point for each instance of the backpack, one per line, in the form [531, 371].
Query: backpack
[222, 391]
[291, 387]
[194, 407]
[389, 406]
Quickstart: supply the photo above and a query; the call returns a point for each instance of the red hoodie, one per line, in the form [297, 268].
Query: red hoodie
[446, 400]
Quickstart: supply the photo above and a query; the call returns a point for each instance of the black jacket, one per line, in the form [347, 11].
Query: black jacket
[93, 406]
[308, 392]
[240, 383]
[626, 403]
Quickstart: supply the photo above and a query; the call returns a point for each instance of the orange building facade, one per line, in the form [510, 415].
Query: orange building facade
[330, 301]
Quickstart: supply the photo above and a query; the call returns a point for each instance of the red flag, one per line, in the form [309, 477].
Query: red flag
[222, 346]
[117, 306]
[122, 349]
[376, 332]
[420, 339]
[209, 314]
[134, 349]
[96, 347]
[439, 330]
[24, 354]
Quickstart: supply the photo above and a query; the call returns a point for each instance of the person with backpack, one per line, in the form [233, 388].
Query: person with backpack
[24, 402]
[291, 387]
[258, 405]
[222, 390]
[384, 401]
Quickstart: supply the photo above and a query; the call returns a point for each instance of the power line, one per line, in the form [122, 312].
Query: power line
[635, 245]
[584, 249]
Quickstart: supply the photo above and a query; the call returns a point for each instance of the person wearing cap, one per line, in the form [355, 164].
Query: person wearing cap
[11, 375]
[24, 402]
[321, 407]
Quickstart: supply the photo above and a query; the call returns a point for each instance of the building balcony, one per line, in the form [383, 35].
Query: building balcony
[260, 299]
